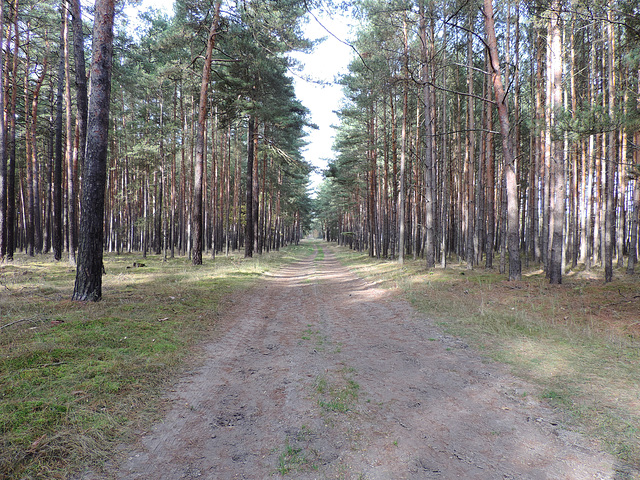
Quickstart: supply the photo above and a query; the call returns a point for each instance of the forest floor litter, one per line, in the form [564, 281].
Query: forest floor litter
[317, 374]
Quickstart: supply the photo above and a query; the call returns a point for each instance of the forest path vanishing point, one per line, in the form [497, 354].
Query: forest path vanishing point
[320, 375]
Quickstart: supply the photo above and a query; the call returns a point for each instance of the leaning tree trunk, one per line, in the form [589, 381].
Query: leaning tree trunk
[88, 284]
[200, 146]
[513, 220]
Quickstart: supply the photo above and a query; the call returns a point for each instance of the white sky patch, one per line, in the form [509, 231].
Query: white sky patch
[327, 61]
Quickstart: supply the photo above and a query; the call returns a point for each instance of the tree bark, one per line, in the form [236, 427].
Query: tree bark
[3, 150]
[57, 167]
[429, 147]
[248, 233]
[69, 155]
[403, 149]
[633, 247]
[513, 225]
[88, 284]
[557, 163]
[11, 147]
[611, 161]
[200, 143]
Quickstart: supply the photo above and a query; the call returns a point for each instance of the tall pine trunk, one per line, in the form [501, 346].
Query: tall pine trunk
[200, 142]
[88, 284]
[11, 140]
[557, 163]
[610, 162]
[3, 151]
[248, 233]
[513, 220]
[57, 167]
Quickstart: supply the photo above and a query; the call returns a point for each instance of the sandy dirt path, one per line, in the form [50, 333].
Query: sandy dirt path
[320, 375]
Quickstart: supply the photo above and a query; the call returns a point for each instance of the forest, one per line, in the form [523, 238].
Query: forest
[469, 132]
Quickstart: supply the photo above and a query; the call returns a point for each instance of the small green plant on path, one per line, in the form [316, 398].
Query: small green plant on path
[296, 455]
[339, 393]
[76, 378]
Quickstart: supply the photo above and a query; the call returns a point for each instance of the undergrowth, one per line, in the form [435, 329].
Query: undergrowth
[78, 378]
[579, 341]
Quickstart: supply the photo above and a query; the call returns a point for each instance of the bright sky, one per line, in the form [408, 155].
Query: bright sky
[328, 60]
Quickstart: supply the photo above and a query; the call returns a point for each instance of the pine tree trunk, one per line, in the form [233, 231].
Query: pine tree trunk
[611, 160]
[37, 219]
[57, 168]
[491, 185]
[30, 204]
[635, 220]
[513, 225]
[200, 143]
[71, 174]
[88, 284]
[470, 157]
[403, 149]
[3, 150]
[248, 234]
[11, 141]
[557, 166]
[429, 154]
[82, 106]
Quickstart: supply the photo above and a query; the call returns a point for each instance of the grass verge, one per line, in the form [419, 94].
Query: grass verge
[78, 378]
[579, 341]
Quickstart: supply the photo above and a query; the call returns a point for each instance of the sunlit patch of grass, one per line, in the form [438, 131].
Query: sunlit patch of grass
[76, 378]
[579, 341]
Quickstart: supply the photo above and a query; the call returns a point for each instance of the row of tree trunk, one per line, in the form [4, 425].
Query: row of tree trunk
[557, 187]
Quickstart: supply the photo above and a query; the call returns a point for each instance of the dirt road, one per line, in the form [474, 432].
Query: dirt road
[321, 375]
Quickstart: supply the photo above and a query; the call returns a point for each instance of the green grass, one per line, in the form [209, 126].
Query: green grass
[578, 342]
[77, 378]
[297, 455]
[339, 393]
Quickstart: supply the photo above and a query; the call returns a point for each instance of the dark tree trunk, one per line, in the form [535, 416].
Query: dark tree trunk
[57, 167]
[3, 158]
[11, 166]
[88, 285]
[80, 78]
[82, 106]
[71, 227]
